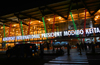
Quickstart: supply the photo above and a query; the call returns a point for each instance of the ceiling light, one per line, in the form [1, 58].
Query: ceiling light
[48, 19]
[14, 25]
[59, 17]
[95, 19]
[96, 16]
[13, 29]
[99, 10]
[1, 27]
[30, 22]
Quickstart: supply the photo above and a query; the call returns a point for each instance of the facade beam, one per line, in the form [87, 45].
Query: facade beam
[27, 16]
[70, 6]
[55, 12]
[11, 21]
[85, 5]
[96, 10]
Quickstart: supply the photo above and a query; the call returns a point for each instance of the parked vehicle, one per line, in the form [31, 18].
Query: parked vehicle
[22, 50]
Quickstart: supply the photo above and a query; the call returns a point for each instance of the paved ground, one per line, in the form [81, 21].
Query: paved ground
[73, 59]
[50, 59]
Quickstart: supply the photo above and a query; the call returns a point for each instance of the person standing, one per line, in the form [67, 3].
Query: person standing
[77, 46]
[48, 46]
[41, 50]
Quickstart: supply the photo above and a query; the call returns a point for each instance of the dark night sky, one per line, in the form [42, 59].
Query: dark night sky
[7, 7]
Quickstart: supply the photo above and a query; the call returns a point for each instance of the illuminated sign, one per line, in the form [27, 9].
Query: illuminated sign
[77, 32]
[54, 34]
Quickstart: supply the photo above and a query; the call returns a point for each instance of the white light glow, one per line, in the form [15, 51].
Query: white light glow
[59, 17]
[48, 19]
[14, 25]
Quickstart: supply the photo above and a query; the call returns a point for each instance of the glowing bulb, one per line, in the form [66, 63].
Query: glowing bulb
[14, 25]
[95, 19]
[59, 17]
[48, 19]
[39, 21]
[99, 10]
[1, 27]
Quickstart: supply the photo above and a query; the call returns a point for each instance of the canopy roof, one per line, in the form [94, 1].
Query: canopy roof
[60, 9]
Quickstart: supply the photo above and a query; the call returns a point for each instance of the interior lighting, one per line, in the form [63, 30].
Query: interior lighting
[39, 21]
[48, 19]
[1, 27]
[53, 24]
[13, 29]
[30, 22]
[96, 16]
[95, 19]
[59, 17]
[14, 25]
[34, 27]
[10, 29]
[29, 27]
[99, 10]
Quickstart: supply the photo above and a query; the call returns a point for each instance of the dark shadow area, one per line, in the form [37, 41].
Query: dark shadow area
[26, 61]
[93, 59]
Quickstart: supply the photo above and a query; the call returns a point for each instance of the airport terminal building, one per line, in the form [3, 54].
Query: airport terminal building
[65, 21]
